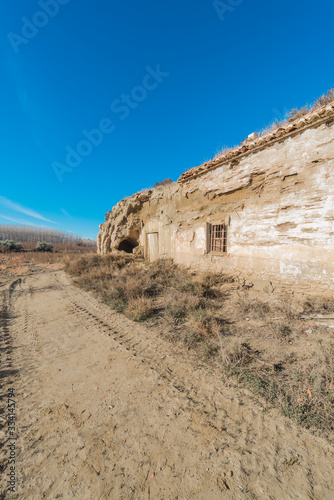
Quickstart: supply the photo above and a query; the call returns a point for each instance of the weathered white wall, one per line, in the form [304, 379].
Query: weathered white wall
[280, 201]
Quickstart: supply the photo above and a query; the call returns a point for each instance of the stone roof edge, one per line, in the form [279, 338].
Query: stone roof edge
[311, 119]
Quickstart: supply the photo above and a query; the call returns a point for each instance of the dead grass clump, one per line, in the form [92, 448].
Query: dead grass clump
[296, 113]
[205, 330]
[216, 279]
[287, 307]
[165, 182]
[324, 99]
[166, 273]
[268, 308]
[271, 127]
[315, 305]
[129, 287]
[222, 152]
[139, 308]
[309, 398]
[237, 356]
[178, 305]
[136, 286]
[81, 266]
[253, 307]
[203, 323]
[280, 330]
[116, 261]
[204, 285]
[191, 287]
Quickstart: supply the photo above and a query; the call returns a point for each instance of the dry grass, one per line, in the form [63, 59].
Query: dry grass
[290, 116]
[268, 342]
[259, 340]
[273, 344]
[302, 389]
[289, 360]
[222, 152]
[296, 113]
[324, 99]
[139, 308]
[318, 306]
[24, 262]
[264, 341]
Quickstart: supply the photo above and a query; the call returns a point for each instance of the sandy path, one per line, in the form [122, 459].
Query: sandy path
[107, 409]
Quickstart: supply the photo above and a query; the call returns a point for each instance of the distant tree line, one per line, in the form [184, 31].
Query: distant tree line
[31, 234]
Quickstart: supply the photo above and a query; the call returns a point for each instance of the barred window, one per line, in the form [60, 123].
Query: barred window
[218, 238]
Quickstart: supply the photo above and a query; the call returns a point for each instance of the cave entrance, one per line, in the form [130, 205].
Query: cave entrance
[127, 245]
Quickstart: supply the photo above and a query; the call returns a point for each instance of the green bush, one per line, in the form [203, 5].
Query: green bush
[10, 246]
[42, 246]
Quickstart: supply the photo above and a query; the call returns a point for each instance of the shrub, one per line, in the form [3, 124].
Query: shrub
[81, 266]
[178, 305]
[10, 246]
[107, 215]
[162, 183]
[202, 322]
[42, 246]
[139, 308]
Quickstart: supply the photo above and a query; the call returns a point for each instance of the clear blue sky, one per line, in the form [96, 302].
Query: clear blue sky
[193, 78]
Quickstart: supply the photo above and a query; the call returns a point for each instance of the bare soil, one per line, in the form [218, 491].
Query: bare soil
[107, 408]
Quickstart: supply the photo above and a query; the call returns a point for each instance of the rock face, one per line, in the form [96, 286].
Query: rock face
[122, 230]
[272, 199]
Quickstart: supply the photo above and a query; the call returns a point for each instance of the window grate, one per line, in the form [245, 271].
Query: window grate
[218, 238]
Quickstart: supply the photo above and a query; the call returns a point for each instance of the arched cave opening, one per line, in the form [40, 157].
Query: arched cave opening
[127, 245]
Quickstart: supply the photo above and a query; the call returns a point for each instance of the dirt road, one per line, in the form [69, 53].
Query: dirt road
[105, 408]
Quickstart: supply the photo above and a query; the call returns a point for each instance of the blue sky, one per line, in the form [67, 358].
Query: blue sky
[162, 85]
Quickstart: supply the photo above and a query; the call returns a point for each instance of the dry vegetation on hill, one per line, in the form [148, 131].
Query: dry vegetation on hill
[278, 347]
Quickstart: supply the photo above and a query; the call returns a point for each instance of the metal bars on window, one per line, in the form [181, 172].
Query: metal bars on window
[218, 238]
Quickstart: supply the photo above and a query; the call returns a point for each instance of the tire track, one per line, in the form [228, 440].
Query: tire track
[7, 372]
